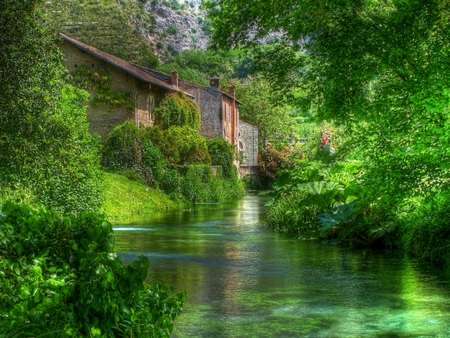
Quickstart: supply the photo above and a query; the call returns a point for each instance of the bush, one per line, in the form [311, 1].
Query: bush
[199, 185]
[425, 232]
[190, 144]
[271, 160]
[172, 30]
[153, 159]
[177, 110]
[171, 181]
[122, 148]
[196, 183]
[222, 154]
[61, 277]
[61, 166]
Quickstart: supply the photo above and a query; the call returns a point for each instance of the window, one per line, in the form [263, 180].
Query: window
[150, 108]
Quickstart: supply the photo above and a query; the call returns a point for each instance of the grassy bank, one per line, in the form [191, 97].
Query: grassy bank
[124, 197]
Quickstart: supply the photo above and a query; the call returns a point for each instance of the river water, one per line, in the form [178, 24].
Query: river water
[245, 280]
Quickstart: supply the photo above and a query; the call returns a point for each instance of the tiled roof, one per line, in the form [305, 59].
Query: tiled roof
[145, 75]
[200, 86]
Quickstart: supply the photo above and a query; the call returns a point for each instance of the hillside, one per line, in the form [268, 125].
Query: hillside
[108, 25]
[135, 30]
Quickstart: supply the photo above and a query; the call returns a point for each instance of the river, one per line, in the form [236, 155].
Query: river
[245, 280]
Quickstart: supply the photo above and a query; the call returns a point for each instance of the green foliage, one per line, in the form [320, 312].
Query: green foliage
[377, 68]
[61, 277]
[123, 147]
[261, 108]
[145, 155]
[171, 181]
[188, 74]
[199, 66]
[130, 151]
[425, 230]
[153, 159]
[99, 81]
[45, 146]
[199, 185]
[222, 154]
[271, 160]
[172, 30]
[303, 200]
[177, 110]
[190, 144]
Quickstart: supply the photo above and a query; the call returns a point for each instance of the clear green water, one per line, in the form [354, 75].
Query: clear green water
[244, 280]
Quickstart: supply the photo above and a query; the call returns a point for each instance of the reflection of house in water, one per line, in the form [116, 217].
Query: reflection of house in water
[146, 88]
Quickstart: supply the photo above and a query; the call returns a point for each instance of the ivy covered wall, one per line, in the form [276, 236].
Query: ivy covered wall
[113, 93]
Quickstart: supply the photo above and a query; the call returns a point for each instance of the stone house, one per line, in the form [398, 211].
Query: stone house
[248, 144]
[146, 88]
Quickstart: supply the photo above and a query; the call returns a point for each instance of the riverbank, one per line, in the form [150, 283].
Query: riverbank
[124, 197]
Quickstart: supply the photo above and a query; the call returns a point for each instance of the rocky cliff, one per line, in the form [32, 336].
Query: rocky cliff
[178, 25]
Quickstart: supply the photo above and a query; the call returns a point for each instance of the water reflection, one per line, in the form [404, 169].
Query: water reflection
[244, 280]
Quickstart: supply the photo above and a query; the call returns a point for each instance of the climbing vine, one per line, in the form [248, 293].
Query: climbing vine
[99, 81]
[177, 110]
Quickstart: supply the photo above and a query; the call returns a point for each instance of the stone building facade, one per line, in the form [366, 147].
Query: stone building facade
[147, 87]
[219, 110]
[248, 144]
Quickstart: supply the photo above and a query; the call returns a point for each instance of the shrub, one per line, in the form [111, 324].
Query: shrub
[171, 181]
[222, 154]
[122, 148]
[57, 159]
[199, 185]
[196, 183]
[190, 144]
[172, 30]
[153, 159]
[177, 110]
[61, 277]
[271, 160]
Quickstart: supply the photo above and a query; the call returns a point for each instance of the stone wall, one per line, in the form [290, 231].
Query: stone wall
[210, 102]
[248, 143]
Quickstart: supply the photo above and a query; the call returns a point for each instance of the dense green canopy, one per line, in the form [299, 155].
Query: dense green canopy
[380, 67]
[45, 148]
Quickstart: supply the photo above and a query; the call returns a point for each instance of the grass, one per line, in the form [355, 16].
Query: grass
[125, 198]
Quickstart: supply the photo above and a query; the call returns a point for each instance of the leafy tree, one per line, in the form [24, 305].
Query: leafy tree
[259, 107]
[177, 110]
[199, 66]
[191, 145]
[45, 147]
[123, 147]
[222, 154]
[380, 67]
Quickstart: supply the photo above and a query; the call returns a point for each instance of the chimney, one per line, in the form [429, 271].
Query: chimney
[214, 82]
[232, 90]
[174, 78]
